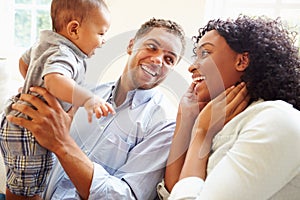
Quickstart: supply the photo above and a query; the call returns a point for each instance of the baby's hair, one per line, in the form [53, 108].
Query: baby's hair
[169, 25]
[64, 11]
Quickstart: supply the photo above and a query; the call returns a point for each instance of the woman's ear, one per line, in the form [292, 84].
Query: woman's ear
[130, 46]
[243, 61]
[73, 29]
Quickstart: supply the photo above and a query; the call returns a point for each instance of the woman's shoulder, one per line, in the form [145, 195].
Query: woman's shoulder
[277, 108]
[267, 119]
[273, 116]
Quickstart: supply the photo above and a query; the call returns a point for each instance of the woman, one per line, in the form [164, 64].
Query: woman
[256, 154]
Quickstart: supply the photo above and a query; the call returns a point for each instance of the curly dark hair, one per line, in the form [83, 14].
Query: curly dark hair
[274, 69]
[169, 25]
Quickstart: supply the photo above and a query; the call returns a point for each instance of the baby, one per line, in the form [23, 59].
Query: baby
[56, 62]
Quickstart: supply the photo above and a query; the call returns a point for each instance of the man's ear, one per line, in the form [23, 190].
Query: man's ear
[130, 46]
[242, 62]
[73, 29]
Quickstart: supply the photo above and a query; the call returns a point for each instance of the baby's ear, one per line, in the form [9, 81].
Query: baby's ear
[73, 29]
[130, 46]
[243, 62]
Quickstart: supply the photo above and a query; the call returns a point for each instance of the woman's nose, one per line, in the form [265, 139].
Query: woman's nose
[193, 67]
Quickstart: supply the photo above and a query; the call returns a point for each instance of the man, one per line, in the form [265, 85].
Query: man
[120, 156]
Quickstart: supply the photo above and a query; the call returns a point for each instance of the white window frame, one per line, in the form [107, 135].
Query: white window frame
[7, 11]
[33, 8]
[9, 52]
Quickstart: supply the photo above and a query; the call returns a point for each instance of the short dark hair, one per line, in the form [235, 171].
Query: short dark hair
[169, 25]
[64, 11]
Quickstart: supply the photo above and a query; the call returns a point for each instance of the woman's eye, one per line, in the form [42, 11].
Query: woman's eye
[204, 53]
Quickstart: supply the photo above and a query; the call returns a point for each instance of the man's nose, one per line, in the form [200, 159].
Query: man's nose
[157, 59]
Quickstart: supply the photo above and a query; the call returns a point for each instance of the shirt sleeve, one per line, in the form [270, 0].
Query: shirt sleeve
[26, 56]
[187, 188]
[108, 187]
[62, 61]
[162, 191]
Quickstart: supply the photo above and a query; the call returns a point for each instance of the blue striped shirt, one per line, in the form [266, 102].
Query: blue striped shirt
[129, 149]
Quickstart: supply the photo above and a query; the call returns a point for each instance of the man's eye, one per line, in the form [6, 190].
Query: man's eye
[152, 47]
[169, 61]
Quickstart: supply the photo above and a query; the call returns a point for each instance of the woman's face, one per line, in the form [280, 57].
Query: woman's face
[216, 68]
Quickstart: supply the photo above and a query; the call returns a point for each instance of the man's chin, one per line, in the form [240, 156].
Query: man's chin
[148, 86]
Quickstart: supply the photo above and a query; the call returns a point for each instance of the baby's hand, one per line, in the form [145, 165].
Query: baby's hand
[98, 106]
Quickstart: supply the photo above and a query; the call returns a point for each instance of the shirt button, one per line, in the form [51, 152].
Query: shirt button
[86, 152]
[101, 127]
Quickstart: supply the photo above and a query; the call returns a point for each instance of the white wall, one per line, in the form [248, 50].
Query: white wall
[3, 96]
[129, 14]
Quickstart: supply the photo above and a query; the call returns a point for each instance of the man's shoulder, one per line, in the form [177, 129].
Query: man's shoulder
[164, 105]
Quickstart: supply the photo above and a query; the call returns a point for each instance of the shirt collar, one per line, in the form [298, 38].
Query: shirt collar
[53, 38]
[135, 97]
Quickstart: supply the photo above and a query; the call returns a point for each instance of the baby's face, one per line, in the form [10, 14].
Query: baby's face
[92, 31]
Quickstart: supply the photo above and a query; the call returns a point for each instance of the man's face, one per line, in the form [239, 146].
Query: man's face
[151, 57]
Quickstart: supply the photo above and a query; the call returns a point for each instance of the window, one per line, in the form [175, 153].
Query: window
[287, 10]
[30, 17]
[22, 20]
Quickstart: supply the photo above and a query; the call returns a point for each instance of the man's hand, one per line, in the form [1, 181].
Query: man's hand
[49, 122]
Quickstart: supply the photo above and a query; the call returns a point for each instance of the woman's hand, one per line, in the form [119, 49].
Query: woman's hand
[189, 105]
[208, 123]
[49, 123]
[189, 109]
[223, 108]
